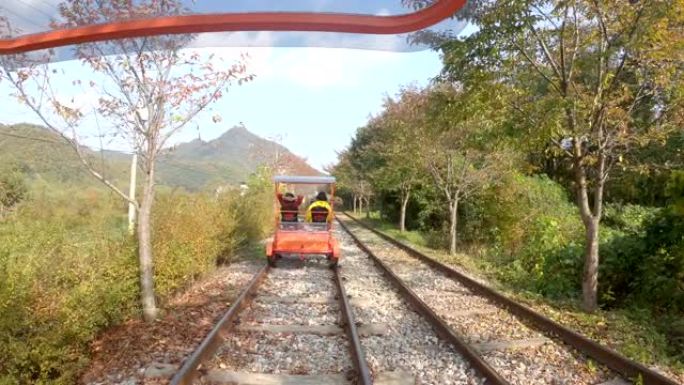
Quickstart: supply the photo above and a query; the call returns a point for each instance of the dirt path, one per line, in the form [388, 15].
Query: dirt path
[140, 353]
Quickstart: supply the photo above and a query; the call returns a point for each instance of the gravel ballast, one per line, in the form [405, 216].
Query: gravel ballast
[303, 293]
[299, 293]
[552, 362]
[409, 343]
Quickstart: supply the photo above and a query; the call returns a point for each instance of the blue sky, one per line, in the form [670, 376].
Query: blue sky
[312, 100]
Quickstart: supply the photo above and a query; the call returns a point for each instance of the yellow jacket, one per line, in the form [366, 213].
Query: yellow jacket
[319, 204]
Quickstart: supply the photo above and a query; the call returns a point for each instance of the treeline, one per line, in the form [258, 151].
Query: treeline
[552, 139]
[69, 268]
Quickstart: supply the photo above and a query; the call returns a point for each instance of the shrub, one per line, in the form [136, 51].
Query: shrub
[534, 231]
[195, 232]
[628, 218]
[525, 213]
[643, 261]
[185, 239]
[255, 208]
[61, 285]
[659, 281]
[13, 188]
[68, 269]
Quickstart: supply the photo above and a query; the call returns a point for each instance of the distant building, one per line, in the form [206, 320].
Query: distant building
[241, 188]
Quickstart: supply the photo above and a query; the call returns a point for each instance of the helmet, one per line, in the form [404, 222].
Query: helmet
[322, 196]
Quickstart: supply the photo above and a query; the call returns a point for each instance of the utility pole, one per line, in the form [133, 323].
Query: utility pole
[131, 194]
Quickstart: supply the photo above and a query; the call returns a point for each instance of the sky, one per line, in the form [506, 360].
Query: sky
[311, 100]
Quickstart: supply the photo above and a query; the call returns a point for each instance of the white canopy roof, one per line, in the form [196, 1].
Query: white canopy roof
[304, 179]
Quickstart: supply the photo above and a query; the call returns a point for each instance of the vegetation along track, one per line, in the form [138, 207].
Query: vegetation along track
[496, 333]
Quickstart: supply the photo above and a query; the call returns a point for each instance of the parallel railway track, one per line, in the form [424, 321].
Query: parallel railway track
[503, 308]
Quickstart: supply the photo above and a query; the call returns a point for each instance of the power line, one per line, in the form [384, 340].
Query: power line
[31, 138]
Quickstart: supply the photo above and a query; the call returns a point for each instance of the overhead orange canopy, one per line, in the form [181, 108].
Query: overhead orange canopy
[39, 24]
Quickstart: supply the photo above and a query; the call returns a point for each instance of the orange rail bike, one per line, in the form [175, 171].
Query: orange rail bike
[304, 231]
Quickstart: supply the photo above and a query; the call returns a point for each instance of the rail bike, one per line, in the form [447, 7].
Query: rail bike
[304, 232]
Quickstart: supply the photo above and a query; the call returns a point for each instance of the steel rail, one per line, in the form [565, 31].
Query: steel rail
[593, 349]
[188, 372]
[362, 369]
[442, 329]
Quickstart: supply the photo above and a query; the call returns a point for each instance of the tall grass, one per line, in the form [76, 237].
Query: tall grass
[68, 269]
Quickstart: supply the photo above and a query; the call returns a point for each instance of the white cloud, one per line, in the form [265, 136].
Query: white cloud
[311, 66]
[235, 39]
[327, 67]
[85, 102]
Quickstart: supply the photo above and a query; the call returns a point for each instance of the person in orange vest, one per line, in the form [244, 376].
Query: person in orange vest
[319, 210]
[289, 206]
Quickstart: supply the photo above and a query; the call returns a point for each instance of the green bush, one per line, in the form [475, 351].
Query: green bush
[62, 283]
[643, 260]
[628, 218]
[675, 192]
[255, 207]
[185, 239]
[659, 281]
[530, 224]
[13, 188]
[195, 232]
[529, 215]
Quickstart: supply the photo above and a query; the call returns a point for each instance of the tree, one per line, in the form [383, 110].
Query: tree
[456, 150]
[365, 163]
[349, 179]
[149, 88]
[601, 77]
[397, 145]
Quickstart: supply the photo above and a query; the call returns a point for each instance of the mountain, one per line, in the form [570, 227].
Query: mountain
[228, 159]
[43, 155]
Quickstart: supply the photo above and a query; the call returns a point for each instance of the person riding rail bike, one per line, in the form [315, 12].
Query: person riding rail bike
[289, 206]
[320, 210]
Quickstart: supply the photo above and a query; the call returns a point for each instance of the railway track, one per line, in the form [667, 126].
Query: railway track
[391, 316]
[410, 348]
[290, 325]
[520, 345]
[258, 340]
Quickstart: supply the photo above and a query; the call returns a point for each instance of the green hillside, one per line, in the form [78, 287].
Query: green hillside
[229, 158]
[195, 165]
[43, 156]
